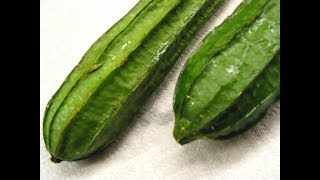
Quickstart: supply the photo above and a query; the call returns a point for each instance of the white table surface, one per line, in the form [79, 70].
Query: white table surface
[147, 149]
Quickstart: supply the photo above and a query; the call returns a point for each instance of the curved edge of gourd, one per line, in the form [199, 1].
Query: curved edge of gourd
[138, 7]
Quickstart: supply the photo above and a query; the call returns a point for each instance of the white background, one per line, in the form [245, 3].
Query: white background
[147, 148]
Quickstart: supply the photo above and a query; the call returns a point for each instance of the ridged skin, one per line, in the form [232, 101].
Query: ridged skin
[248, 109]
[115, 54]
[252, 104]
[102, 101]
[225, 64]
[88, 61]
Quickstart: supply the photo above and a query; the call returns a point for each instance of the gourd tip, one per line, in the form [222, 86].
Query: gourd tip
[55, 160]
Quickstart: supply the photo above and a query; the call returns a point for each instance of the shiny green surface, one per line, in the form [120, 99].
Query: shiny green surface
[88, 61]
[226, 63]
[252, 104]
[248, 109]
[90, 115]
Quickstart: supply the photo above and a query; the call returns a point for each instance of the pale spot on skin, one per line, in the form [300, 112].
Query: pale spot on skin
[232, 69]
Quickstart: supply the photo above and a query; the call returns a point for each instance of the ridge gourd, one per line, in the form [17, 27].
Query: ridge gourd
[232, 77]
[98, 98]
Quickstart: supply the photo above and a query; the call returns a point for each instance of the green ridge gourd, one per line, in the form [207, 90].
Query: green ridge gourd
[224, 68]
[98, 98]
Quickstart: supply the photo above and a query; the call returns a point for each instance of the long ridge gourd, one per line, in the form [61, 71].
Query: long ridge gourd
[251, 106]
[119, 71]
[222, 67]
[248, 109]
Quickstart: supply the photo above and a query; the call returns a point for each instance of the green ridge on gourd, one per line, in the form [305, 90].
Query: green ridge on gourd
[88, 61]
[118, 72]
[248, 109]
[252, 104]
[225, 63]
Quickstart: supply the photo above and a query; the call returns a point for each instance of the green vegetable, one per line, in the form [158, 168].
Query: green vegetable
[120, 70]
[248, 109]
[224, 65]
[252, 104]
